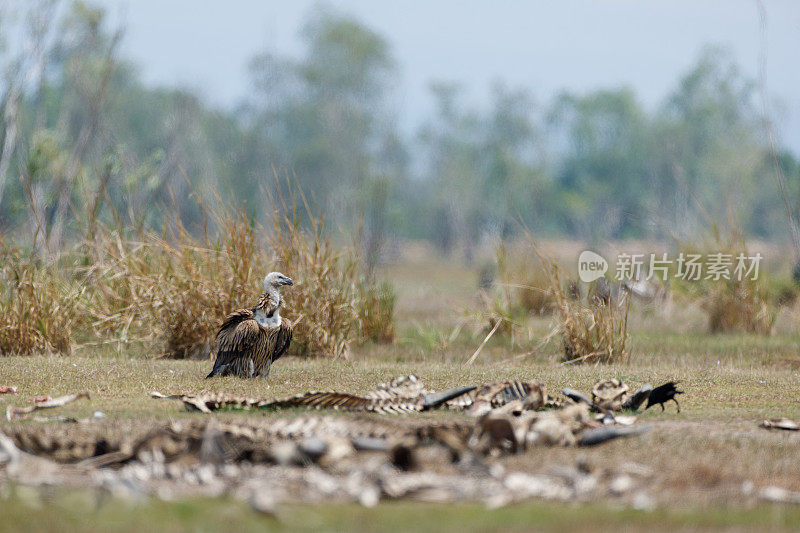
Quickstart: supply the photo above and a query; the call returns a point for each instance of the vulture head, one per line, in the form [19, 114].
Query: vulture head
[275, 280]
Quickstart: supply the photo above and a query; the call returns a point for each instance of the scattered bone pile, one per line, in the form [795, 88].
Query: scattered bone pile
[312, 458]
[785, 424]
[407, 394]
[28, 413]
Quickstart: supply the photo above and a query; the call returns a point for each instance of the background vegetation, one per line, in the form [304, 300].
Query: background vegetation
[133, 213]
[132, 218]
[75, 116]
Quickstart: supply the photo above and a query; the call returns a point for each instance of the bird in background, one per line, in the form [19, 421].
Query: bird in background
[250, 340]
[664, 393]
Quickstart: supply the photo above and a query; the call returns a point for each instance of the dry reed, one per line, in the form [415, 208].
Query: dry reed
[37, 305]
[171, 289]
[520, 290]
[591, 332]
[739, 303]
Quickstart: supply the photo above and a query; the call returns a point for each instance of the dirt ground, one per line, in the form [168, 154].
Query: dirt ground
[709, 466]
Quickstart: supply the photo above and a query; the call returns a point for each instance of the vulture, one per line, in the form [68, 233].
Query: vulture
[250, 340]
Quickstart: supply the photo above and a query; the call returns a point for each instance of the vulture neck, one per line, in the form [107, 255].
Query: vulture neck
[265, 314]
[274, 295]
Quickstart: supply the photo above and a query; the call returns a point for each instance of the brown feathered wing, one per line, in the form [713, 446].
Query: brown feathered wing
[247, 349]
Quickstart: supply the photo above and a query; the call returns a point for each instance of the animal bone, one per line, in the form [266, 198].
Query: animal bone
[14, 413]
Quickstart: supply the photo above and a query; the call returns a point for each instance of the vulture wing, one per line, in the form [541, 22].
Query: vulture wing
[279, 339]
[270, 346]
[277, 342]
[237, 338]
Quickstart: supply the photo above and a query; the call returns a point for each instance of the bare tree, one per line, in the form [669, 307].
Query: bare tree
[780, 177]
[23, 69]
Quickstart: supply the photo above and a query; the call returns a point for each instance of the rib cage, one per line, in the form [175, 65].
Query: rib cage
[510, 424]
[496, 394]
[350, 402]
[250, 439]
[342, 401]
[409, 386]
[402, 395]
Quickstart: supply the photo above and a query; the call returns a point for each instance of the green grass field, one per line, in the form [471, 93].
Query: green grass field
[84, 512]
[700, 459]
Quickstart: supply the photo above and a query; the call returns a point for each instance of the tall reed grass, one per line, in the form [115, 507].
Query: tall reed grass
[517, 289]
[170, 289]
[594, 331]
[38, 305]
[739, 303]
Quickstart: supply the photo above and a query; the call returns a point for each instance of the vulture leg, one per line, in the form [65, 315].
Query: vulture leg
[662, 407]
[217, 371]
[266, 369]
[676, 403]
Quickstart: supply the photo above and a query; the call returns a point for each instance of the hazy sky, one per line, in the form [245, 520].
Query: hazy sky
[545, 46]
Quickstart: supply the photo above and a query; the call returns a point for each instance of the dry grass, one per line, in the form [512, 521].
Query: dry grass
[735, 304]
[37, 305]
[738, 306]
[526, 285]
[498, 308]
[336, 303]
[533, 291]
[170, 289]
[698, 459]
[520, 291]
[376, 313]
[592, 332]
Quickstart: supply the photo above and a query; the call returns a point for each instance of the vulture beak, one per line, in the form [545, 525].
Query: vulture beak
[288, 281]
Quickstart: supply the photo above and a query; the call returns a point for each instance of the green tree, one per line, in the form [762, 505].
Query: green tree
[485, 171]
[325, 117]
[711, 146]
[601, 180]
